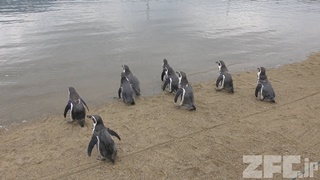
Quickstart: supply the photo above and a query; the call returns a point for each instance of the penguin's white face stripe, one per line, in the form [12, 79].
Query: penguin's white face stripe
[179, 75]
[166, 71]
[219, 66]
[180, 78]
[71, 108]
[258, 74]
[183, 93]
[95, 120]
[94, 124]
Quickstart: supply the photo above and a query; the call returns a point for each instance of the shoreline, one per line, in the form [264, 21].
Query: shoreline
[162, 141]
[195, 77]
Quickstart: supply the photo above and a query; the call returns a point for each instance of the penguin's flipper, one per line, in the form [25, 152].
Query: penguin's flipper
[84, 103]
[178, 93]
[258, 89]
[166, 84]
[220, 78]
[162, 74]
[91, 145]
[136, 89]
[192, 106]
[67, 108]
[119, 92]
[113, 133]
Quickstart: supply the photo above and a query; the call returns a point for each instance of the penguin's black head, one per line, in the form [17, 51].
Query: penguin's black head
[76, 101]
[71, 90]
[179, 74]
[124, 77]
[73, 94]
[165, 62]
[221, 66]
[96, 119]
[261, 73]
[126, 69]
[165, 69]
[183, 81]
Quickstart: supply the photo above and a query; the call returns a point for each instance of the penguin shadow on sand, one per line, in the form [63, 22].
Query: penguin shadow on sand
[264, 90]
[129, 86]
[169, 78]
[224, 80]
[101, 138]
[76, 105]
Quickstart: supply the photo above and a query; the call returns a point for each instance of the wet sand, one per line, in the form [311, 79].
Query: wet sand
[161, 141]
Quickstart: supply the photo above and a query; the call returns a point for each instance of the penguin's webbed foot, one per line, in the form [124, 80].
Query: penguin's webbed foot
[259, 99]
[230, 90]
[218, 88]
[100, 158]
[191, 107]
[177, 106]
[70, 121]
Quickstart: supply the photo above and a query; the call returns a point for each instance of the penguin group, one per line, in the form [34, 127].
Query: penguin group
[175, 82]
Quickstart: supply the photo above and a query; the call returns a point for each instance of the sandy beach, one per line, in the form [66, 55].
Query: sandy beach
[161, 141]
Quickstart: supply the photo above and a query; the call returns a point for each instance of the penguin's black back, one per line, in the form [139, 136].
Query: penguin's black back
[107, 146]
[78, 110]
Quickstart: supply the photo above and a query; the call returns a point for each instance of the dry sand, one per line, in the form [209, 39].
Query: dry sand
[160, 141]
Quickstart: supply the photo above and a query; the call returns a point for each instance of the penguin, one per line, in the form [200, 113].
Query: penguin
[185, 92]
[76, 106]
[133, 79]
[224, 80]
[164, 65]
[126, 92]
[101, 136]
[171, 80]
[264, 87]
[73, 95]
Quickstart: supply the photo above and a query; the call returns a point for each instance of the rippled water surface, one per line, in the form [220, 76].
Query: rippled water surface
[47, 46]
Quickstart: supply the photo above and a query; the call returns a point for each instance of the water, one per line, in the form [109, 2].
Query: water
[47, 46]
